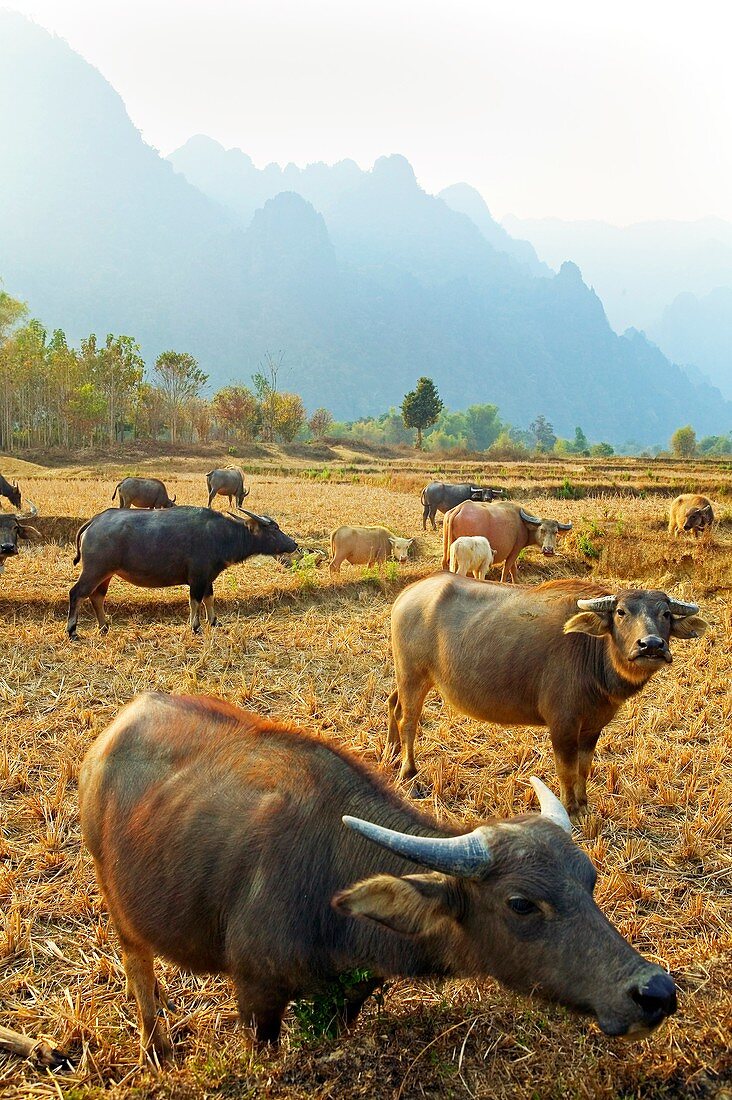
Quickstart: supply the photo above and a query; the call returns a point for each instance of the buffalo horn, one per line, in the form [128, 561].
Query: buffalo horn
[28, 515]
[599, 604]
[533, 521]
[246, 493]
[550, 805]
[564, 526]
[681, 610]
[253, 515]
[467, 856]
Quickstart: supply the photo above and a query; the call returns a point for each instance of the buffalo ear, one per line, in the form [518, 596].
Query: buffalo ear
[692, 626]
[25, 531]
[411, 905]
[588, 622]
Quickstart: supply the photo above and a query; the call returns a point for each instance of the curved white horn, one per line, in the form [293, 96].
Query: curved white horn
[28, 515]
[550, 805]
[599, 604]
[467, 856]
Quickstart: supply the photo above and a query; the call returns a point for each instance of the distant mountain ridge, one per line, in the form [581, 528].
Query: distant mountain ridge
[365, 282]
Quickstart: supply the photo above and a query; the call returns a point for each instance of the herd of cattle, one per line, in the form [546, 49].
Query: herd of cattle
[205, 821]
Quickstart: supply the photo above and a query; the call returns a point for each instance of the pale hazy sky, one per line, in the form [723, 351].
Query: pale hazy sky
[613, 109]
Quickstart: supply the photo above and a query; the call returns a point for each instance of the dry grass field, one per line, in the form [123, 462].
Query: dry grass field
[297, 645]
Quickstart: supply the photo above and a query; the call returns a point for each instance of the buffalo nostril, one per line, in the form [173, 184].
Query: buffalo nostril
[651, 643]
[656, 997]
[7, 548]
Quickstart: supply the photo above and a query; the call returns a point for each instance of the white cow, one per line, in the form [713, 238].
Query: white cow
[471, 554]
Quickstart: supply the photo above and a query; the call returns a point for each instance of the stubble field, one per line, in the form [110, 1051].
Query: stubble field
[296, 645]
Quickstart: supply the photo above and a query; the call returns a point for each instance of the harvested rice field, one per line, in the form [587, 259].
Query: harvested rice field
[298, 645]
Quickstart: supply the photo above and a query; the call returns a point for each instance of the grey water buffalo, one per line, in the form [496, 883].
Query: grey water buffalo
[690, 512]
[229, 843]
[439, 496]
[565, 654]
[471, 554]
[143, 492]
[11, 491]
[365, 546]
[508, 528]
[161, 548]
[228, 482]
[12, 528]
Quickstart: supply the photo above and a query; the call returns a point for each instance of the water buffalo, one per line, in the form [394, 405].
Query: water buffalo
[11, 491]
[12, 528]
[220, 842]
[690, 512]
[471, 554]
[227, 483]
[160, 548]
[143, 492]
[365, 546]
[565, 654]
[508, 529]
[439, 496]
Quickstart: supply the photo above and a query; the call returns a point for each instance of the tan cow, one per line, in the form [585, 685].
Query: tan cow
[690, 512]
[471, 554]
[508, 528]
[365, 546]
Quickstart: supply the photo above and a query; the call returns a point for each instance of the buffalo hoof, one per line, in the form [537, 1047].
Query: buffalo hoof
[104, 629]
[73, 636]
[197, 629]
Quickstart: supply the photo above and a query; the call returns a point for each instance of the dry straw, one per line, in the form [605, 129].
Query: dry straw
[315, 651]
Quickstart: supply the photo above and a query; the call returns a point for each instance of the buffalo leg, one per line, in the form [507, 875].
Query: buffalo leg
[138, 964]
[261, 1010]
[211, 495]
[395, 716]
[509, 568]
[96, 598]
[587, 744]
[198, 590]
[565, 744]
[208, 603]
[411, 700]
[80, 591]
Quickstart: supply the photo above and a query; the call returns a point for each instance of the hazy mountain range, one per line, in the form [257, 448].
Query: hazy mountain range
[362, 279]
[671, 279]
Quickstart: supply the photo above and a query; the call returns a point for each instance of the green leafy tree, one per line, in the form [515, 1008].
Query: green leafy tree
[421, 407]
[683, 442]
[180, 379]
[602, 450]
[289, 415]
[543, 433]
[581, 443]
[116, 370]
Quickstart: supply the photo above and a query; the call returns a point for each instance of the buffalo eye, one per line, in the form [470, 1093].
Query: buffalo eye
[667, 614]
[522, 906]
[620, 613]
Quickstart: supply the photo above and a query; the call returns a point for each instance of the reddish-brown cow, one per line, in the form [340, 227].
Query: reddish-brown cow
[507, 527]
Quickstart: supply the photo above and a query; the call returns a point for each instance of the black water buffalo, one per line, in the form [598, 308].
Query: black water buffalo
[12, 528]
[155, 549]
[226, 483]
[10, 490]
[220, 842]
[143, 492]
[438, 496]
[565, 654]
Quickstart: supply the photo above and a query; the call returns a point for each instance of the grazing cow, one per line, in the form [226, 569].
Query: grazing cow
[365, 546]
[565, 654]
[160, 548]
[439, 496]
[11, 491]
[690, 512]
[508, 529]
[471, 554]
[224, 842]
[143, 492]
[227, 483]
[12, 528]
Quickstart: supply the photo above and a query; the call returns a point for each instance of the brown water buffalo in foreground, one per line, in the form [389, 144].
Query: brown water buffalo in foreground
[220, 842]
[366, 546]
[508, 529]
[228, 482]
[143, 492]
[565, 654]
[156, 549]
[690, 512]
[12, 528]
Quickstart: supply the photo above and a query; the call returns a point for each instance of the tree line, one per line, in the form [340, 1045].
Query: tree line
[55, 395]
